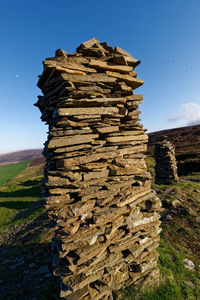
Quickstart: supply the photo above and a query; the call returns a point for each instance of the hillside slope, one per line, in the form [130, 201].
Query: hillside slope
[19, 156]
[187, 146]
[7, 172]
[25, 238]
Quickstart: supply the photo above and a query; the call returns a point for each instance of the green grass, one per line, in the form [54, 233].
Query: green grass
[172, 266]
[178, 282]
[166, 291]
[20, 199]
[150, 162]
[7, 172]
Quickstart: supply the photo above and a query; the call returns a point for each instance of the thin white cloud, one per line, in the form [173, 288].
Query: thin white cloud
[189, 114]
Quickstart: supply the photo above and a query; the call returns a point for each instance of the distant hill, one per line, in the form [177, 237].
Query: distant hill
[187, 146]
[20, 156]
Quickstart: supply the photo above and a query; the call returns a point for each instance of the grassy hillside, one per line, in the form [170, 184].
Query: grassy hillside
[19, 156]
[7, 172]
[26, 234]
[20, 196]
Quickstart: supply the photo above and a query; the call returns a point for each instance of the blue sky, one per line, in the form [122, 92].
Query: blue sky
[164, 35]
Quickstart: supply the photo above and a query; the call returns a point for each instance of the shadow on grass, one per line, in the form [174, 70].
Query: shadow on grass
[21, 204]
[26, 192]
[31, 182]
[26, 210]
[22, 200]
[32, 278]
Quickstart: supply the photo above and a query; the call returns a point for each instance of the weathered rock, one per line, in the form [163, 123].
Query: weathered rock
[61, 53]
[78, 79]
[125, 60]
[125, 138]
[71, 140]
[19, 263]
[130, 80]
[102, 65]
[97, 189]
[189, 264]
[176, 203]
[87, 111]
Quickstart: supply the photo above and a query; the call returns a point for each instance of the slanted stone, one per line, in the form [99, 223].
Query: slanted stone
[87, 111]
[132, 81]
[95, 175]
[99, 77]
[125, 60]
[92, 47]
[71, 140]
[70, 64]
[107, 129]
[124, 138]
[102, 65]
[118, 50]
[53, 65]
[61, 53]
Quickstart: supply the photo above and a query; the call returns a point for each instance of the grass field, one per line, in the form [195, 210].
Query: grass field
[20, 197]
[7, 172]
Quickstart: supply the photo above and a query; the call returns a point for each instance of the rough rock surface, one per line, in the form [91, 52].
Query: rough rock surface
[97, 188]
[166, 168]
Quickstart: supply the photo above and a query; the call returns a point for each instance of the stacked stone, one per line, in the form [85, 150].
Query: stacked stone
[166, 167]
[98, 190]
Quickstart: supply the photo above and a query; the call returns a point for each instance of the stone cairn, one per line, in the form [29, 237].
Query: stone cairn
[98, 191]
[166, 168]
